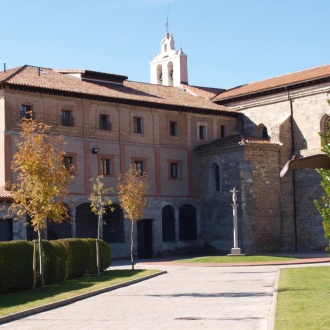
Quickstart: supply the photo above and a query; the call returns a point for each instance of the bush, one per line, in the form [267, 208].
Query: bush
[16, 259]
[82, 256]
[63, 259]
[55, 256]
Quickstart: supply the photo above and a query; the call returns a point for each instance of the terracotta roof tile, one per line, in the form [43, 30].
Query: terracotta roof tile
[5, 194]
[207, 93]
[51, 80]
[276, 82]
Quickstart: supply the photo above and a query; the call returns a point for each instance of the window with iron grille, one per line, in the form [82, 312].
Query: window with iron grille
[106, 166]
[66, 118]
[104, 123]
[138, 124]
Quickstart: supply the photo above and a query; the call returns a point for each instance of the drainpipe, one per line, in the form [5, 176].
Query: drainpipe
[291, 100]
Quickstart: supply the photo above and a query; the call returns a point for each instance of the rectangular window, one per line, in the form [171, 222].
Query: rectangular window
[174, 131]
[223, 131]
[66, 118]
[106, 166]
[139, 164]
[138, 124]
[175, 170]
[68, 162]
[26, 112]
[201, 132]
[105, 123]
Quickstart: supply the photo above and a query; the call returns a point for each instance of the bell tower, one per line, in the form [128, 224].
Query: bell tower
[169, 67]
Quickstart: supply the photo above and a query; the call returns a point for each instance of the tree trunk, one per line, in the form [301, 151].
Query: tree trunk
[41, 263]
[98, 246]
[132, 241]
[34, 262]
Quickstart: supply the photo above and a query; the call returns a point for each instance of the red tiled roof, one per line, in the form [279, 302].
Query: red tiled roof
[207, 93]
[276, 82]
[238, 139]
[5, 194]
[146, 94]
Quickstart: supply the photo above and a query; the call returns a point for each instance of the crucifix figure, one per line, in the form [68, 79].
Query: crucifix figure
[234, 191]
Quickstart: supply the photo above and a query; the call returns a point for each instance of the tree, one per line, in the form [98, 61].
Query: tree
[323, 206]
[132, 189]
[42, 179]
[99, 203]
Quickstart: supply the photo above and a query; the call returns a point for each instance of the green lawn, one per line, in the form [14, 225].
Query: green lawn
[303, 300]
[233, 259]
[16, 302]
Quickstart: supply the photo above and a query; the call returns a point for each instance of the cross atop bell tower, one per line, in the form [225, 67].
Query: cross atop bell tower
[169, 67]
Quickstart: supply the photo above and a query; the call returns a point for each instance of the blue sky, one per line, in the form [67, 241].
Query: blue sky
[228, 43]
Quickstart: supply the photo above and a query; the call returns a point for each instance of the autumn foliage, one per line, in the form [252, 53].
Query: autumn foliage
[132, 189]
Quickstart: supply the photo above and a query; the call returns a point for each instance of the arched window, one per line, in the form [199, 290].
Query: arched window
[325, 126]
[30, 233]
[57, 230]
[170, 73]
[159, 75]
[187, 223]
[86, 222]
[168, 223]
[214, 178]
[113, 225]
[6, 229]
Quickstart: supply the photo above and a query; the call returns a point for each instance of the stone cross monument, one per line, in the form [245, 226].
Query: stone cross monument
[235, 250]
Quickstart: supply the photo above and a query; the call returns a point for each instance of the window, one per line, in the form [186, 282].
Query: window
[202, 132]
[140, 165]
[68, 162]
[105, 123]
[26, 112]
[223, 131]
[214, 178]
[174, 128]
[6, 229]
[168, 223]
[138, 124]
[175, 169]
[105, 166]
[66, 118]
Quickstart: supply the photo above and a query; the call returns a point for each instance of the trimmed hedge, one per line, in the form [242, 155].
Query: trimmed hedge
[15, 266]
[63, 259]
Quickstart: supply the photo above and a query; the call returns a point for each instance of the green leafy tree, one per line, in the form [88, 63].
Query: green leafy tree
[42, 179]
[132, 189]
[323, 206]
[99, 203]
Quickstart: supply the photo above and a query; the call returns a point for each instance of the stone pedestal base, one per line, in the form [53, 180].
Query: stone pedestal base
[236, 252]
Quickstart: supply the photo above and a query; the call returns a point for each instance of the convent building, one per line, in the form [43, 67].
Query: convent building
[195, 144]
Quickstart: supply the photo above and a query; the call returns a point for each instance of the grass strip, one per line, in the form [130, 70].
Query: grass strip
[15, 302]
[235, 259]
[303, 299]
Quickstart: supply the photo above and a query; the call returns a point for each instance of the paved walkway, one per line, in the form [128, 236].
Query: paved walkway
[186, 297]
